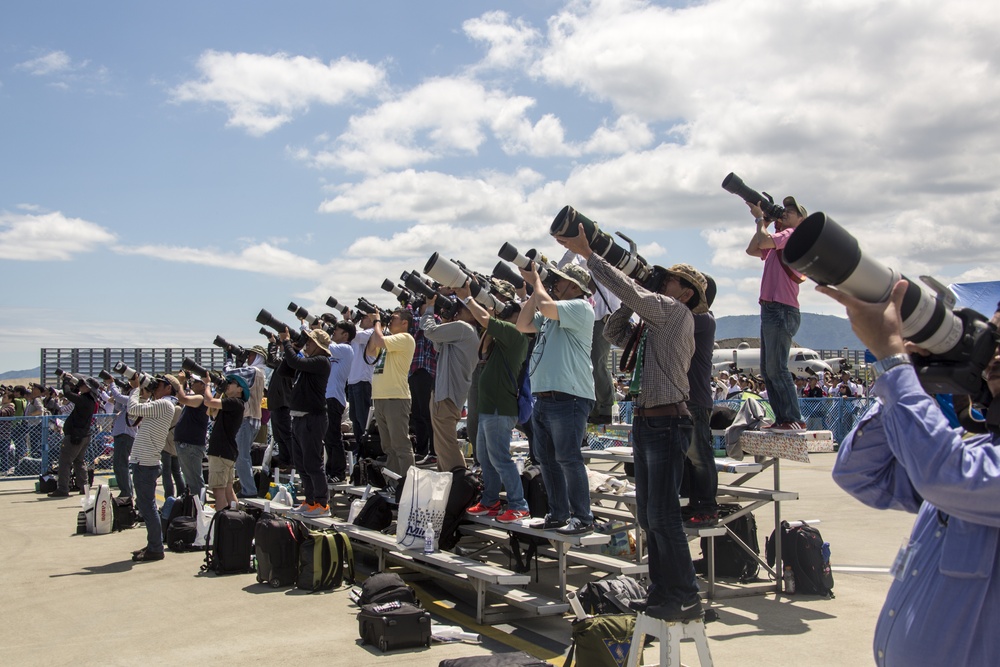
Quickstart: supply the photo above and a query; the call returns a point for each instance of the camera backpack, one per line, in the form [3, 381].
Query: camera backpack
[611, 596]
[466, 490]
[394, 625]
[376, 514]
[175, 507]
[182, 533]
[384, 587]
[730, 559]
[803, 548]
[324, 555]
[125, 516]
[276, 545]
[534, 491]
[231, 549]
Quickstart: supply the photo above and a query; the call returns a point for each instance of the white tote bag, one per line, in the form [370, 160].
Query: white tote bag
[202, 522]
[425, 496]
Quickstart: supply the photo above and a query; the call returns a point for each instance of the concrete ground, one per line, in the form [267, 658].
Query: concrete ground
[80, 599]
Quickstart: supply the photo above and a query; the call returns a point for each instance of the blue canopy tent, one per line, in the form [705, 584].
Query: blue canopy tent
[981, 297]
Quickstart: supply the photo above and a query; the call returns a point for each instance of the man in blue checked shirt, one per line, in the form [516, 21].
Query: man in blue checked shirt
[944, 603]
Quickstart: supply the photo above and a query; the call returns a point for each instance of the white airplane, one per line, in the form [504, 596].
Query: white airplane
[745, 359]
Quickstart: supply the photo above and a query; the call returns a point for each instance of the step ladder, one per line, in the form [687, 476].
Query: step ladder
[670, 634]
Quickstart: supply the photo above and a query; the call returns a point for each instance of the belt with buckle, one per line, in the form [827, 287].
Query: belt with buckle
[667, 410]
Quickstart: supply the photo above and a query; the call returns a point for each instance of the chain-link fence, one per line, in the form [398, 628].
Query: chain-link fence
[30, 446]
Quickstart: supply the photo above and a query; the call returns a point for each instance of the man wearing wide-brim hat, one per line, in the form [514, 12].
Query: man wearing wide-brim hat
[661, 347]
[309, 416]
[562, 382]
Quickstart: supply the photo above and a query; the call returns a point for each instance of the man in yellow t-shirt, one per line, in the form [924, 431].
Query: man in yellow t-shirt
[390, 389]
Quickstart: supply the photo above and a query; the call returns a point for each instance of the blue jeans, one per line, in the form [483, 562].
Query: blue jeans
[173, 483]
[705, 477]
[359, 402]
[244, 468]
[658, 447]
[191, 457]
[493, 449]
[778, 324]
[123, 450]
[144, 478]
[559, 423]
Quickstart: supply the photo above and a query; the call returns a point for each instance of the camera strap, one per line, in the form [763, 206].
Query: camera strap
[788, 270]
[629, 354]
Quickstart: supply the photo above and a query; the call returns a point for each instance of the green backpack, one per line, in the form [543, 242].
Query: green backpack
[323, 555]
[601, 641]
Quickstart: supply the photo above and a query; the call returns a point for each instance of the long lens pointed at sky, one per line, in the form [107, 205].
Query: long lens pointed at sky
[169, 170]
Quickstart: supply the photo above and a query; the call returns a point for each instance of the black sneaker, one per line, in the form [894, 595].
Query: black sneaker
[551, 523]
[673, 611]
[58, 494]
[576, 526]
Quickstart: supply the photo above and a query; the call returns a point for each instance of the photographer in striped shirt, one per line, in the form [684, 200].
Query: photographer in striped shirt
[156, 407]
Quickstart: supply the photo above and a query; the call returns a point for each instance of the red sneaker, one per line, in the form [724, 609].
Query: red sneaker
[513, 516]
[480, 509]
[790, 427]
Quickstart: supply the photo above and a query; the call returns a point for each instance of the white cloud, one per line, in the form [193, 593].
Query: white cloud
[49, 236]
[263, 92]
[260, 258]
[51, 63]
[511, 43]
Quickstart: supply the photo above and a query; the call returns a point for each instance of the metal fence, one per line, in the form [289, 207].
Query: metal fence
[838, 415]
[30, 446]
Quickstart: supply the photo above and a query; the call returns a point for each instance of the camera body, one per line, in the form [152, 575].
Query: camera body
[238, 353]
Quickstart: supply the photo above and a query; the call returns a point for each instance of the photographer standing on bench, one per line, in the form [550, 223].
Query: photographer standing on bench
[307, 406]
[943, 605]
[661, 427]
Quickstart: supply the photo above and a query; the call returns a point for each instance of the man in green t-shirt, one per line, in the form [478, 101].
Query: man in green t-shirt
[506, 349]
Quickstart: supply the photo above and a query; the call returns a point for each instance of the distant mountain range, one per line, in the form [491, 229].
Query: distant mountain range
[16, 375]
[818, 332]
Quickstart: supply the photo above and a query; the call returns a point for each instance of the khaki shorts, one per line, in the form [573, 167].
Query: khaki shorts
[221, 472]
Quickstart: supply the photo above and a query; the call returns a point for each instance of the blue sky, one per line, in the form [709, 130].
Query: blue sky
[168, 170]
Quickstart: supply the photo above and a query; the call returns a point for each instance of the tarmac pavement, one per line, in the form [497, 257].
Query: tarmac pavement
[79, 599]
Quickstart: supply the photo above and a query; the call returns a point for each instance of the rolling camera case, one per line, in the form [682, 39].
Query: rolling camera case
[276, 544]
[394, 625]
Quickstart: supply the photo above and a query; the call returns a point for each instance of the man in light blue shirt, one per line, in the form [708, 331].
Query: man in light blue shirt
[944, 603]
[562, 380]
[341, 358]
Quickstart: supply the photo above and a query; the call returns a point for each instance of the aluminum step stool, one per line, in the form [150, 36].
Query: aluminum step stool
[670, 634]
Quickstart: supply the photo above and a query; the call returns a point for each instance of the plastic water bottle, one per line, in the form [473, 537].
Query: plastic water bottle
[789, 579]
[428, 537]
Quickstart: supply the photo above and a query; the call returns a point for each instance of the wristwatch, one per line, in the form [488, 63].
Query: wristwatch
[880, 367]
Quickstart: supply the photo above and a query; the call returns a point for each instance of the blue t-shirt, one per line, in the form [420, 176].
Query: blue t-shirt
[561, 358]
[341, 357]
